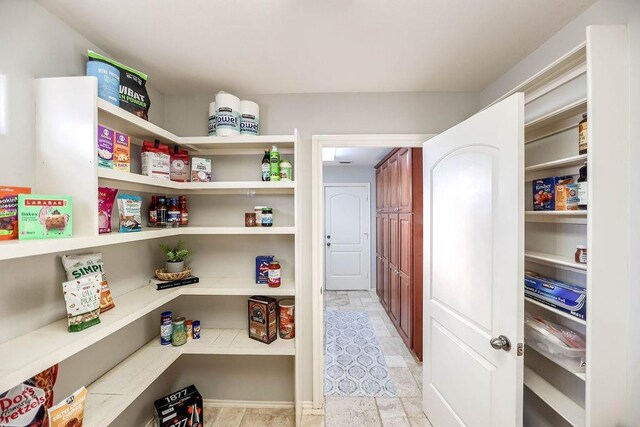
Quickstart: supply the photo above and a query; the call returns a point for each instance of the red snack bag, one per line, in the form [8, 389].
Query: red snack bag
[9, 211]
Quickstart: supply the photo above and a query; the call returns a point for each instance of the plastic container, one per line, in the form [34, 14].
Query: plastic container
[558, 343]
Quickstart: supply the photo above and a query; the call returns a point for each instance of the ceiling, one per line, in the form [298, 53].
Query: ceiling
[313, 46]
[360, 156]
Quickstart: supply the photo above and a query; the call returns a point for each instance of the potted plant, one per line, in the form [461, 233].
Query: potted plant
[175, 257]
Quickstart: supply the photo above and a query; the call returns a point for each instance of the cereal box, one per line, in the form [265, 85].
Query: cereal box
[9, 211]
[200, 170]
[562, 193]
[262, 319]
[544, 194]
[44, 217]
[105, 147]
[262, 269]
[182, 408]
[122, 152]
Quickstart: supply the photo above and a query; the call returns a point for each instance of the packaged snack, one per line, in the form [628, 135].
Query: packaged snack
[24, 405]
[182, 408]
[69, 412]
[563, 194]
[200, 170]
[133, 93]
[568, 298]
[106, 138]
[262, 269]
[45, 380]
[78, 266]
[180, 167]
[83, 302]
[122, 153]
[130, 217]
[262, 319]
[44, 217]
[9, 211]
[544, 194]
[156, 160]
[106, 198]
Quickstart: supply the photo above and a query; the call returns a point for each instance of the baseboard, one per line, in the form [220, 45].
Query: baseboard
[219, 403]
[308, 409]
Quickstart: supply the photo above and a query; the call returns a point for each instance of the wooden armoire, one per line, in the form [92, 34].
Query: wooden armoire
[399, 242]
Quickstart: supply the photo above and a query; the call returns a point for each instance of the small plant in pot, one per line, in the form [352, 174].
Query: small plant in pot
[175, 257]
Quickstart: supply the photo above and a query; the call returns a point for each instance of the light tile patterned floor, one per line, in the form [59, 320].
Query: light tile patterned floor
[404, 410]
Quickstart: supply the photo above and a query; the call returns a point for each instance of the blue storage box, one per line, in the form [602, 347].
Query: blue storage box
[570, 299]
[262, 268]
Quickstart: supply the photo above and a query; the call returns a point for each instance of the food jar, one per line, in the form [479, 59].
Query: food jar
[581, 254]
[250, 219]
[285, 170]
[286, 319]
[258, 211]
[267, 217]
[179, 333]
[274, 274]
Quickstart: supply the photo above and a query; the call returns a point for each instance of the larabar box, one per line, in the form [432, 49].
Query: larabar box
[262, 319]
[44, 217]
[9, 211]
[182, 408]
[122, 153]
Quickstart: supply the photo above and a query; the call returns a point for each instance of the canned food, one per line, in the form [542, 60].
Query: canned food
[196, 329]
[189, 324]
[287, 319]
[166, 328]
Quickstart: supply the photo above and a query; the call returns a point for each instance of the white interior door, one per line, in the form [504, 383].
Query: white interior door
[347, 234]
[473, 272]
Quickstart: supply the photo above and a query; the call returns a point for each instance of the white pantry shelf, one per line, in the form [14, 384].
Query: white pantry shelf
[558, 401]
[581, 375]
[556, 311]
[561, 217]
[28, 354]
[241, 144]
[554, 122]
[557, 261]
[112, 393]
[556, 164]
[136, 182]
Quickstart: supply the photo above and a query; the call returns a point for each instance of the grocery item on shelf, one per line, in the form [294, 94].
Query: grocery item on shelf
[106, 141]
[161, 284]
[184, 212]
[156, 160]
[173, 213]
[249, 118]
[274, 159]
[46, 381]
[561, 344]
[69, 412]
[122, 152]
[262, 319]
[582, 188]
[153, 213]
[44, 217]
[287, 318]
[581, 254]
[189, 324]
[83, 301]
[166, 328]
[211, 128]
[106, 199]
[9, 211]
[200, 169]
[582, 135]
[178, 332]
[262, 269]
[571, 299]
[227, 114]
[161, 212]
[267, 217]
[108, 80]
[285, 170]
[250, 219]
[274, 276]
[544, 194]
[129, 208]
[258, 212]
[180, 168]
[23, 405]
[133, 93]
[196, 330]
[265, 166]
[566, 193]
[182, 408]
[77, 266]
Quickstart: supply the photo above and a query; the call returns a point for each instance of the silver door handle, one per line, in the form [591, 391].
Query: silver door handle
[500, 343]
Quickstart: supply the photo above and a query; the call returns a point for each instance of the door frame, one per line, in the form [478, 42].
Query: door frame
[318, 142]
[367, 186]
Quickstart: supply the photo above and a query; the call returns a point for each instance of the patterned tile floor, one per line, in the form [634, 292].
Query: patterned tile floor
[404, 410]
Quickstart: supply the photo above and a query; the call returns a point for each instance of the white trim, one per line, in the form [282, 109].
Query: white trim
[221, 403]
[368, 188]
[317, 223]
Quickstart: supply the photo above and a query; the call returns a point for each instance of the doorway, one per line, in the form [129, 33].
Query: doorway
[347, 237]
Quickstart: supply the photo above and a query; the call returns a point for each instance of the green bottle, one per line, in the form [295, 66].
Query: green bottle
[274, 157]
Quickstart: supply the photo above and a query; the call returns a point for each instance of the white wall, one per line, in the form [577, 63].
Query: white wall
[602, 12]
[358, 174]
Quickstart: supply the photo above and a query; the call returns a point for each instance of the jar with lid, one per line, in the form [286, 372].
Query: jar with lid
[285, 170]
[267, 217]
[582, 188]
[274, 274]
[179, 333]
[581, 254]
[258, 211]
[582, 135]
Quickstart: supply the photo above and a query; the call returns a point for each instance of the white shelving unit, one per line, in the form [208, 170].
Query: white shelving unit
[67, 164]
[565, 407]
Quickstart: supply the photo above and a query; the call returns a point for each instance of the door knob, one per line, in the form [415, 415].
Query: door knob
[500, 343]
[328, 244]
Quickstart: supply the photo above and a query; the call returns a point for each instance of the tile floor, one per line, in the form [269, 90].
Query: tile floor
[404, 410]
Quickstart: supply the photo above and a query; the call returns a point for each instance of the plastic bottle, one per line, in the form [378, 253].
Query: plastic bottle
[274, 157]
[285, 170]
[582, 187]
[184, 212]
[582, 135]
[173, 213]
[161, 212]
[153, 214]
[266, 166]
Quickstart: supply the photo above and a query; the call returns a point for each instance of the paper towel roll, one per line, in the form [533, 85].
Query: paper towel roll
[212, 118]
[227, 114]
[249, 118]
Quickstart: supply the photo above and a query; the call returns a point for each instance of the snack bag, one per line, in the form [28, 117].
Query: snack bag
[180, 169]
[156, 160]
[24, 406]
[9, 211]
[106, 199]
[44, 217]
[83, 302]
[69, 412]
[78, 266]
[130, 216]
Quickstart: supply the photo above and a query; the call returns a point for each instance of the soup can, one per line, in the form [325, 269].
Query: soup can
[287, 318]
[166, 328]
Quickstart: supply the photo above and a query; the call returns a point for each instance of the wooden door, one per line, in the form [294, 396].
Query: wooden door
[405, 192]
[394, 184]
[394, 260]
[379, 190]
[473, 268]
[380, 235]
[405, 264]
[385, 283]
[384, 194]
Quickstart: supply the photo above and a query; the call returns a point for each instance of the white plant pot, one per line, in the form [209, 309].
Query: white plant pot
[175, 267]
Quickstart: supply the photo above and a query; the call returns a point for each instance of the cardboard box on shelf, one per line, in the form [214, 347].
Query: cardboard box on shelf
[122, 152]
[44, 216]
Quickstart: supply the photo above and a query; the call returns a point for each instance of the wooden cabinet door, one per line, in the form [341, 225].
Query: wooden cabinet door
[405, 265]
[385, 236]
[379, 277]
[394, 184]
[385, 283]
[394, 288]
[380, 235]
[394, 259]
[379, 190]
[384, 194]
[405, 202]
